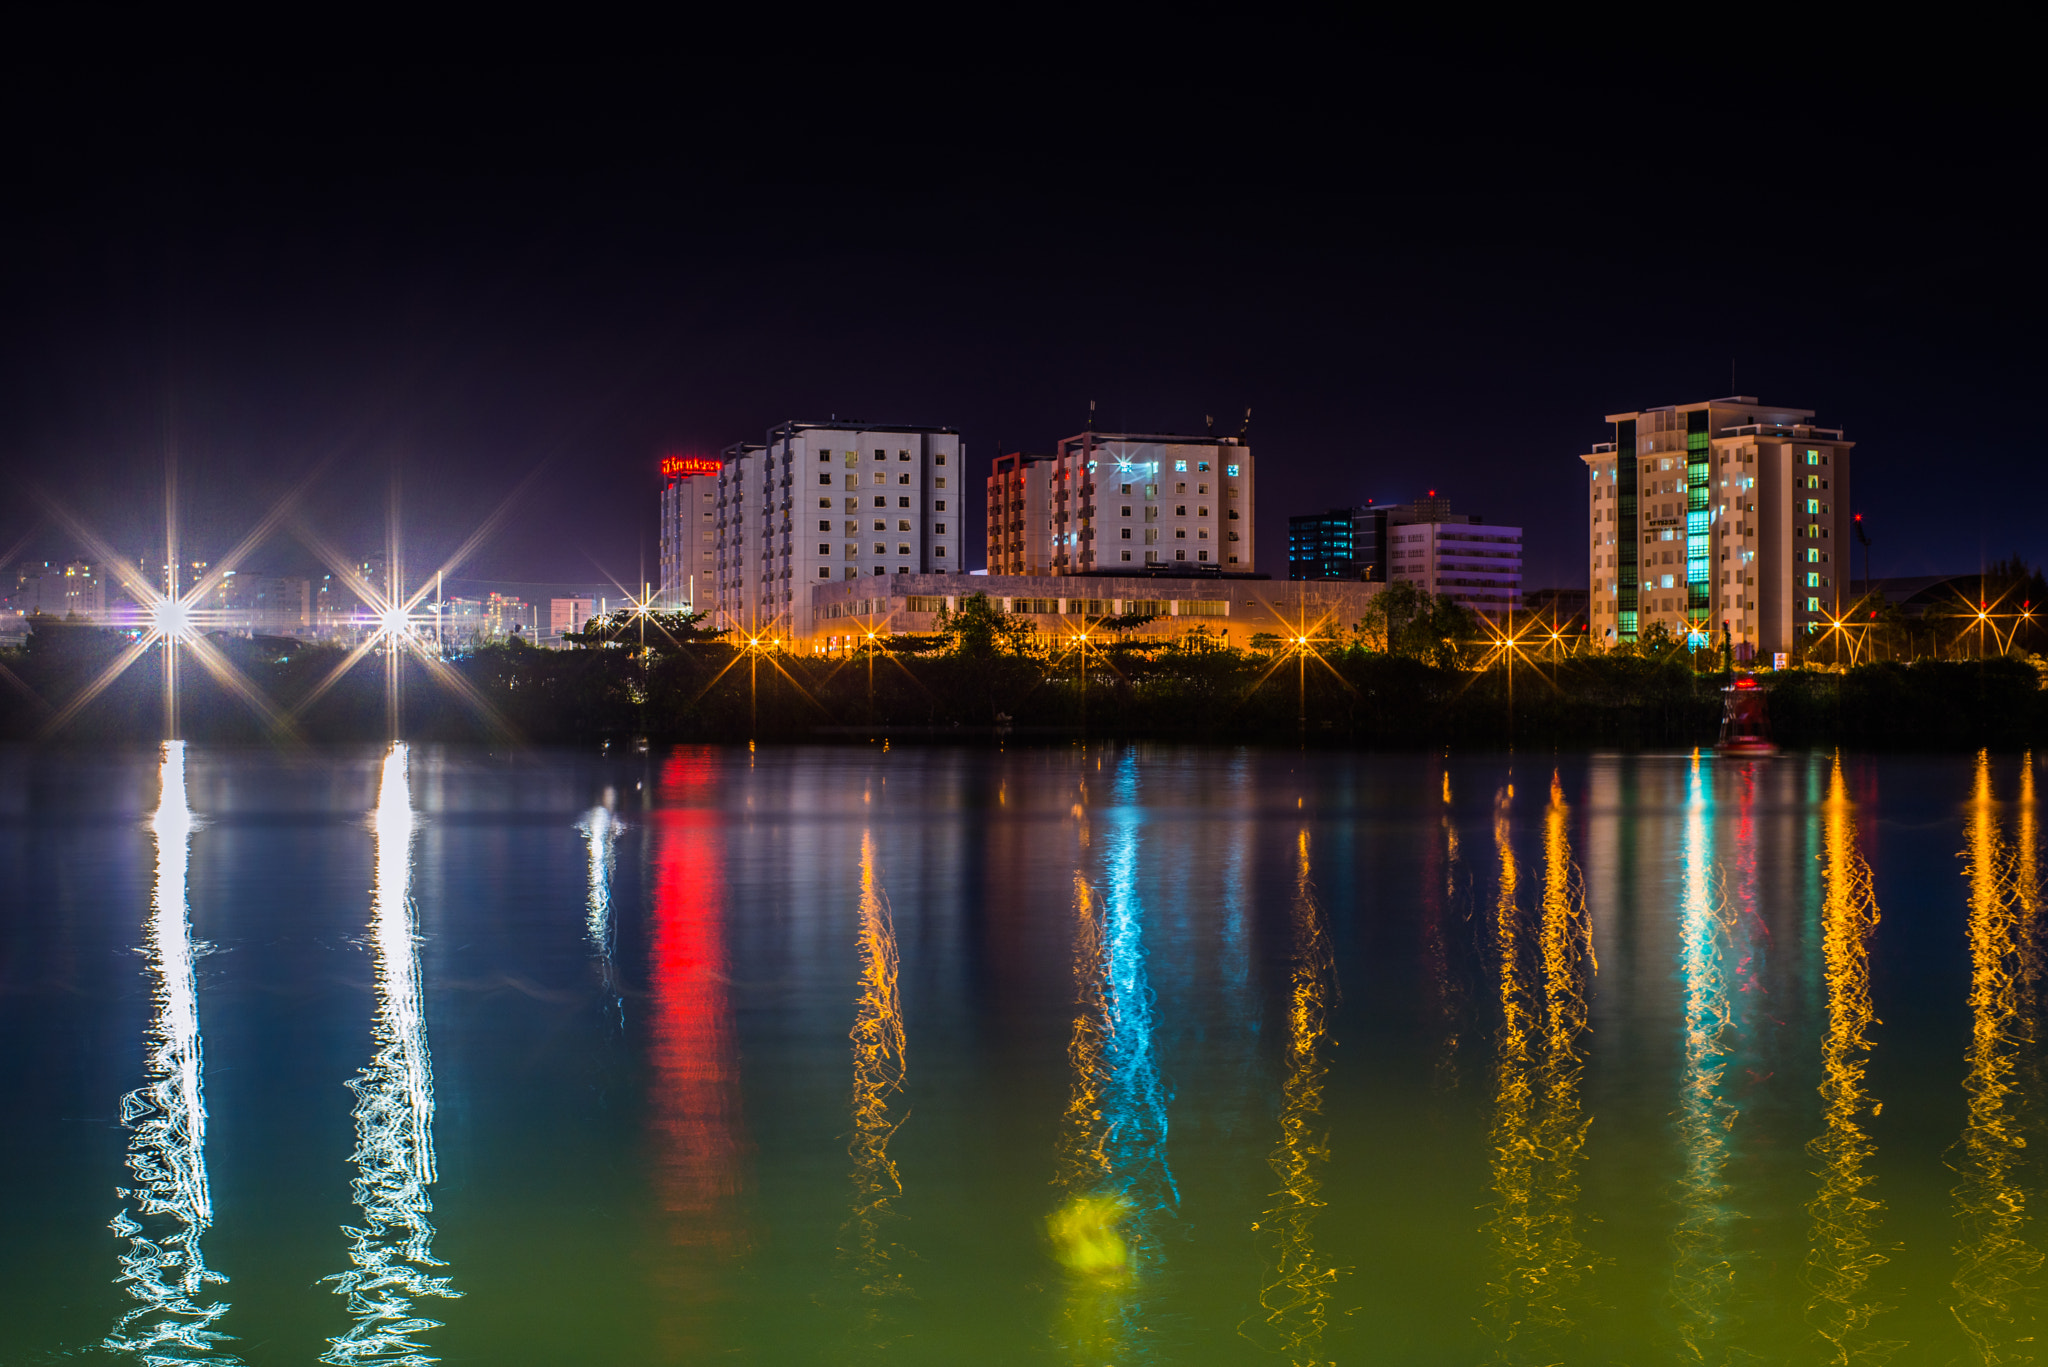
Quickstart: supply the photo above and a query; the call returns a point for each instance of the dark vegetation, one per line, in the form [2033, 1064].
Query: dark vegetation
[1418, 674]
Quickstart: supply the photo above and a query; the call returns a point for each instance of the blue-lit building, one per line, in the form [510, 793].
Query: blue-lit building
[1321, 545]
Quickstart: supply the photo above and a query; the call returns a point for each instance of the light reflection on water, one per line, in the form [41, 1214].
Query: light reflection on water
[1299, 1282]
[1766, 1122]
[1842, 1251]
[1996, 1262]
[392, 1247]
[600, 827]
[170, 1205]
[878, 1073]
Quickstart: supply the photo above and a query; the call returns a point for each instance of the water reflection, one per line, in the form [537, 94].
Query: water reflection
[1296, 1293]
[1540, 1125]
[878, 1069]
[1996, 1263]
[170, 1206]
[394, 1157]
[1112, 1161]
[1840, 1257]
[695, 1103]
[1703, 1274]
[1440, 875]
[600, 827]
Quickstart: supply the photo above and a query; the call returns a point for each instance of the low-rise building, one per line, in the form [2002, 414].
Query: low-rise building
[1232, 610]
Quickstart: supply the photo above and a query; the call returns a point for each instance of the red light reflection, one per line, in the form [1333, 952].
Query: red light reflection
[699, 1141]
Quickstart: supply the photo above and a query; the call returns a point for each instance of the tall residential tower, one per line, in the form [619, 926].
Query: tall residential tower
[822, 501]
[1719, 518]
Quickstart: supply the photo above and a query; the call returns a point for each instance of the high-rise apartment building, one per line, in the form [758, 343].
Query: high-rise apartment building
[1719, 518]
[689, 529]
[1020, 515]
[822, 501]
[1127, 502]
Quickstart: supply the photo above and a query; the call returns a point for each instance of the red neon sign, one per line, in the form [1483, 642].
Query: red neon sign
[682, 467]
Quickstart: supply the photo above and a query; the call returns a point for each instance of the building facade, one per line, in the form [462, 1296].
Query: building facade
[1234, 611]
[569, 614]
[1020, 515]
[1323, 545]
[1128, 500]
[689, 530]
[1718, 519]
[1477, 565]
[824, 502]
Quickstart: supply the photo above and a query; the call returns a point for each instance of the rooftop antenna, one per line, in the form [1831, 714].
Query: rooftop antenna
[1209, 423]
[1091, 415]
[1245, 430]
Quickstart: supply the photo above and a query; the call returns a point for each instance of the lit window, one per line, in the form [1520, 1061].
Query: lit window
[1813, 605]
[1181, 466]
[1813, 506]
[1230, 470]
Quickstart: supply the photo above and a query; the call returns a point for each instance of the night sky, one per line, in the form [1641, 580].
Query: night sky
[1416, 273]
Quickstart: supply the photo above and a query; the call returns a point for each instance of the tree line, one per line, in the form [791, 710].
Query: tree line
[1414, 671]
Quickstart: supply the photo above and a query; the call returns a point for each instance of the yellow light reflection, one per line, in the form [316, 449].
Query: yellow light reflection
[1088, 1232]
[1996, 1263]
[1702, 1275]
[1296, 1294]
[394, 1116]
[878, 1065]
[1840, 1256]
[1540, 1125]
[170, 1206]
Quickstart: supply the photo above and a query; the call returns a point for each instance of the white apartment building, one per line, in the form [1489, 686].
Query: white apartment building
[1720, 518]
[1128, 501]
[689, 530]
[1476, 565]
[820, 502]
[1020, 515]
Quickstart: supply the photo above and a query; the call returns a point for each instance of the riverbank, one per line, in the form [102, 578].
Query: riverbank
[1344, 696]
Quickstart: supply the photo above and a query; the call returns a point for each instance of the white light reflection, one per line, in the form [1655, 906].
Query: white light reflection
[167, 1273]
[394, 1113]
[600, 827]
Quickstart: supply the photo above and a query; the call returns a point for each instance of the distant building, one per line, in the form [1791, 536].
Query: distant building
[1020, 515]
[264, 604]
[569, 614]
[1720, 518]
[84, 591]
[1566, 607]
[1352, 543]
[689, 530]
[1121, 501]
[826, 501]
[505, 616]
[1476, 565]
[1322, 545]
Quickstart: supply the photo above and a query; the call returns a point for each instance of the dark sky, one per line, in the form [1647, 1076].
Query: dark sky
[1424, 269]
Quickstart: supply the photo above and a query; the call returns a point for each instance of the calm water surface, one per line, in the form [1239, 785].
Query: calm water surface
[1121, 1055]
